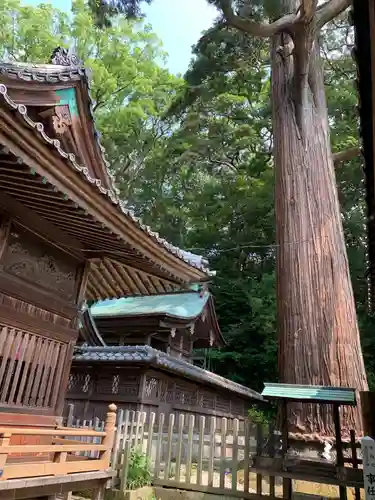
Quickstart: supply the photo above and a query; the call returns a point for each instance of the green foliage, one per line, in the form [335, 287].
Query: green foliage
[256, 416]
[139, 470]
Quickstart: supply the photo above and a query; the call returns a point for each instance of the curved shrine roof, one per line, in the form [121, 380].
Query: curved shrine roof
[149, 356]
[19, 78]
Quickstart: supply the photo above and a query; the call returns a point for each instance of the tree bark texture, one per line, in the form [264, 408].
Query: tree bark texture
[318, 333]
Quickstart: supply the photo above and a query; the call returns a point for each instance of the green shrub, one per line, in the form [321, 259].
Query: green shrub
[139, 470]
[258, 416]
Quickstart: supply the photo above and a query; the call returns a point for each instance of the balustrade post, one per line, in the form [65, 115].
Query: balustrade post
[109, 429]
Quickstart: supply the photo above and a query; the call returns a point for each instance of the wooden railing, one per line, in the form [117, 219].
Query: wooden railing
[62, 456]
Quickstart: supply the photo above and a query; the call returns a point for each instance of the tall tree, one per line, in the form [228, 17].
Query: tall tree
[317, 326]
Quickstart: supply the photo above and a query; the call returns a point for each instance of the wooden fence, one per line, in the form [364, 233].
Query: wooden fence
[220, 456]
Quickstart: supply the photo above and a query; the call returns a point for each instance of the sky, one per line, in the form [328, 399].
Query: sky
[178, 23]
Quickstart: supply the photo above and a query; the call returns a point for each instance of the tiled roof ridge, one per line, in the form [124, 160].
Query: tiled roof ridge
[162, 360]
[39, 128]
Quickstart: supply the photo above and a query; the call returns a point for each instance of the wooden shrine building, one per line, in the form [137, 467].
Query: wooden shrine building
[141, 357]
[65, 237]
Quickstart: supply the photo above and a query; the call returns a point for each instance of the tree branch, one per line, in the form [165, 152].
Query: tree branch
[330, 10]
[262, 30]
[308, 9]
[347, 155]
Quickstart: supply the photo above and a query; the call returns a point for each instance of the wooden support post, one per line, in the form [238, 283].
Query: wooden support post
[109, 429]
[98, 493]
[69, 422]
[4, 441]
[368, 413]
[287, 483]
[357, 491]
[339, 451]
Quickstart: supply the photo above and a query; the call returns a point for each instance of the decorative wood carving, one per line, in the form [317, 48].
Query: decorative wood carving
[35, 262]
[82, 282]
[20, 308]
[61, 120]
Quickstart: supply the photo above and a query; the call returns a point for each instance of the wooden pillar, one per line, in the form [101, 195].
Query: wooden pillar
[368, 413]
[339, 452]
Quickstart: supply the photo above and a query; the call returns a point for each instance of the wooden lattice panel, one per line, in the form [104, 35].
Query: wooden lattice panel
[31, 369]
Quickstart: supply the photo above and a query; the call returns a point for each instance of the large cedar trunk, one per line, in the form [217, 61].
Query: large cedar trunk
[317, 326]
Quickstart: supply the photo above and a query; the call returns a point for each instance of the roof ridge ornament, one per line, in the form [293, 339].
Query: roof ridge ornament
[64, 57]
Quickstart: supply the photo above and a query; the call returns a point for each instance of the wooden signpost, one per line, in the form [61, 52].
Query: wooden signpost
[368, 453]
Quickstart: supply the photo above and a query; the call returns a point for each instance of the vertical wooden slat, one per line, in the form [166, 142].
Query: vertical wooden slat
[202, 425]
[137, 426]
[158, 445]
[50, 385]
[59, 374]
[69, 422]
[46, 374]
[235, 454]
[142, 430]
[150, 434]
[62, 384]
[131, 427]
[259, 439]
[287, 482]
[116, 447]
[32, 370]
[6, 351]
[3, 338]
[38, 374]
[125, 466]
[126, 427]
[15, 383]
[246, 462]
[353, 446]
[339, 448]
[180, 437]
[169, 447]
[189, 448]
[211, 452]
[98, 425]
[223, 451]
[16, 343]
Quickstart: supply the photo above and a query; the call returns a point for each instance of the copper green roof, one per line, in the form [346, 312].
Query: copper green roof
[186, 305]
[310, 393]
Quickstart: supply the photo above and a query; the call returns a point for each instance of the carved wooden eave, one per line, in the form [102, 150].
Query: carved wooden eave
[61, 94]
[363, 17]
[37, 173]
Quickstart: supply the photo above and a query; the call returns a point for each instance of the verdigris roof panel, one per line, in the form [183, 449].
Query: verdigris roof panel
[182, 305]
[310, 393]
